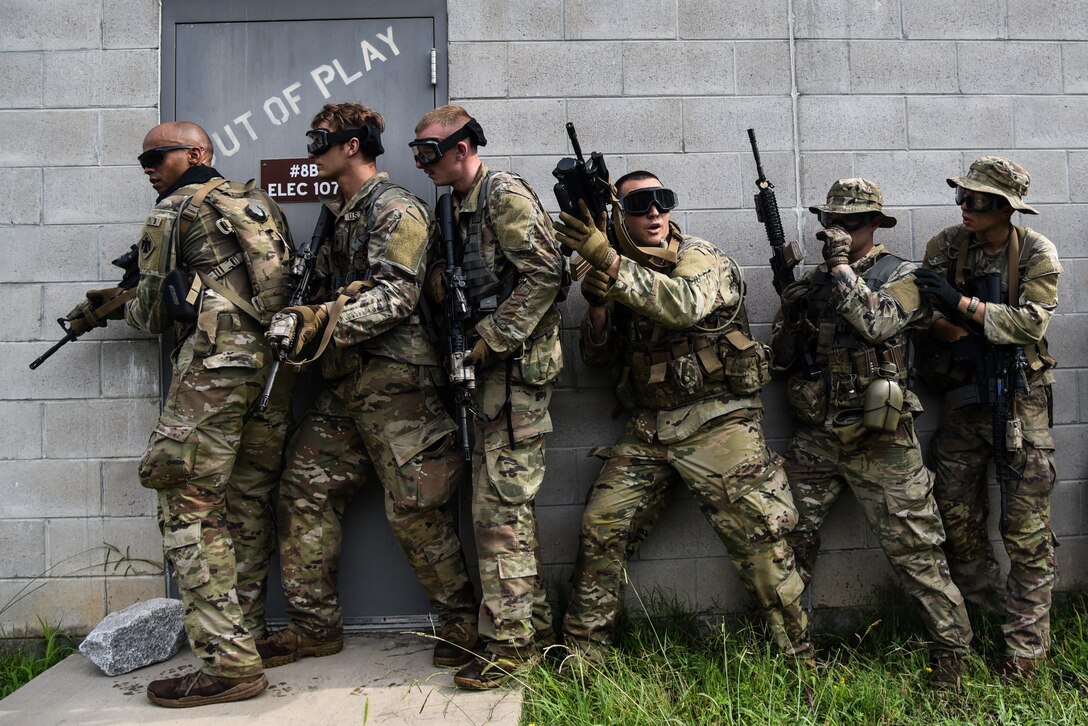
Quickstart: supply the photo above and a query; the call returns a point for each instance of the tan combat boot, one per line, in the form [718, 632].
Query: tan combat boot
[1014, 668]
[286, 646]
[945, 671]
[200, 689]
[456, 643]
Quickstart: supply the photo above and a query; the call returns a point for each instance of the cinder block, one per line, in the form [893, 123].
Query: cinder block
[1053, 122]
[122, 495]
[1065, 392]
[62, 138]
[657, 585]
[124, 591]
[106, 194]
[121, 133]
[1073, 286]
[489, 20]
[846, 19]
[779, 168]
[537, 170]
[845, 527]
[1068, 344]
[21, 80]
[954, 19]
[23, 543]
[85, 429]
[101, 78]
[478, 70]
[1074, 67]
[721, 124]
[850, 577]
[682, 532]
[21, 438]
[738, 233]
[58, 299]
[1082, 387]
[1069, 446]
[819, 171]
[902, 67]
[564, 69]
[73, 374]
[1078, 183]
[761, 301]
[43, 488]
[927, 222]
[581, 418]
[130, 24]
[701, 181]
[130, 369]
[1051, 19]
[643, 125]
[23, 305]
[39, 254]
[74, 606]
[763, 68]
[521, 126]
[1073, 576]
[590, 20]
[111, 546]
[1066, 225]
[960, 122]
[1014, 68]
[20, 196]
[558, 531]
[909, 177]
[851, 122]
[823, 66]
[115, 240]
[561, 481]
[50, 25]
[718, 588]
[733, 19]
[675, 68]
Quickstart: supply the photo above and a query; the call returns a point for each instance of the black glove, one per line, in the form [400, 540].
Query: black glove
[932, 284]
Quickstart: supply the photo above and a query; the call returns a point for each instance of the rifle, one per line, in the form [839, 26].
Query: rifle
[95, 314]
[302, 272]
[462, 377]
[583, 180]
[783, 257]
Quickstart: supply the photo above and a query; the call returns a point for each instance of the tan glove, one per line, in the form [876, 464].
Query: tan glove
[435, 286]
[595, 287]
[837, 243]
[293, 328]
[88, 314]
[481, 356]
[793, 303]
[585, 239]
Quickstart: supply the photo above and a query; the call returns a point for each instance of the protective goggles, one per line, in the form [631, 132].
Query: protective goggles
[429, 151]
[848, 222]
[321, 140]
[153, 157]
[639, 201]
[979, 201]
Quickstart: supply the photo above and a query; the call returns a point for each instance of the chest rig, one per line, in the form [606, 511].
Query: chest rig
[348, 258]
[484, 289]
[849, 361]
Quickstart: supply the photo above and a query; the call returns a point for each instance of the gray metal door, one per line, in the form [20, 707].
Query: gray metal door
[253, 74]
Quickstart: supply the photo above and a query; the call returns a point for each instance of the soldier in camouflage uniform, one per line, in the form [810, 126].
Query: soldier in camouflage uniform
[988, 243]
[514, 272]
[691, 378]
[380, 417]
[851, 318]
[213, 459]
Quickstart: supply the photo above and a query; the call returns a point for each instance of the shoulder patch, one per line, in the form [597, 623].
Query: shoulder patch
[407, 242]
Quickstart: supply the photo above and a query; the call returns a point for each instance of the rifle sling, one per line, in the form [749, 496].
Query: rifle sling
[346, 295]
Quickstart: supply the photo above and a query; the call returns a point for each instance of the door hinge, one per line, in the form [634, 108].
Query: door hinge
[434, 67]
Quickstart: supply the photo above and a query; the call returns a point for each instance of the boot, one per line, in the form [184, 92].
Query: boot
[1014, 668]
[286, 646]
[488, 670]
[945, 671]
[456, 644]
[200, 689]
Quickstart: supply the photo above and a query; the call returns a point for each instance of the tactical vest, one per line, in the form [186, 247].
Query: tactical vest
[246, 235]
[484, 290]
[353, 266]
[847, 358]
[665, 368]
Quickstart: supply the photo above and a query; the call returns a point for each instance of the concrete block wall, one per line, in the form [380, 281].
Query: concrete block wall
[906, 92]
[79, 87]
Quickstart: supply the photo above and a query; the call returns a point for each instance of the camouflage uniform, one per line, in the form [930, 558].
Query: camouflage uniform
[691, 380]
[513, 270]
[212, 458]
[962, 447]
[849, 336]
[379, 416]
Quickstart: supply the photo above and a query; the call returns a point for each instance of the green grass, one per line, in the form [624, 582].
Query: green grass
[19, 665]
[679, 671]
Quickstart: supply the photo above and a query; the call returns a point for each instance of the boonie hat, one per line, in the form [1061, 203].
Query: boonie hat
[997, 175]
[855, 196]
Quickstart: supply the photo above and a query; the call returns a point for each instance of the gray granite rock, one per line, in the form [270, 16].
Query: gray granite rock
[141, 634]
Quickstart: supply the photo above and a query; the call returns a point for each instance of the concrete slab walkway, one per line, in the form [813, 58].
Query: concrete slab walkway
[376, 679]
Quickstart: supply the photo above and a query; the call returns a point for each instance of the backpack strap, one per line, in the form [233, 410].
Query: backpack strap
[192, 209]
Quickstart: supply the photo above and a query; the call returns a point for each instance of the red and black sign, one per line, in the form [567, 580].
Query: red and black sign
[294, 180]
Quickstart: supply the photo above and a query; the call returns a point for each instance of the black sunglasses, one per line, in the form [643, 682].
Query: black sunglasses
[153, 157]
[849, 222]
[639, 201]
[979, 201]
